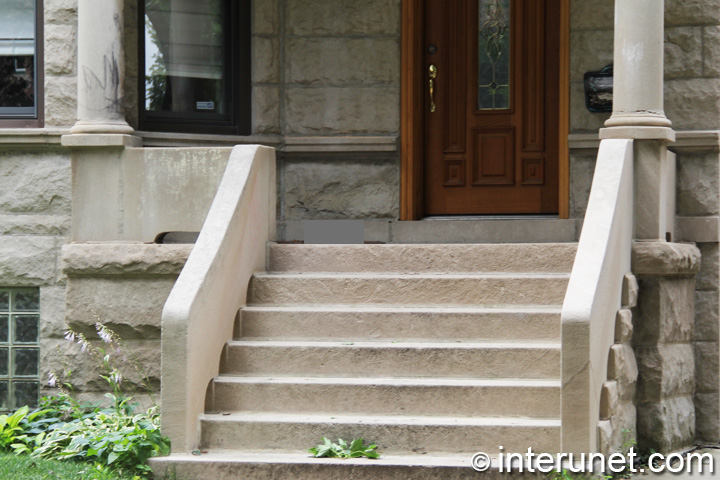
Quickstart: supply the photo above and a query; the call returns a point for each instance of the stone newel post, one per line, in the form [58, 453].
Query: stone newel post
[100, 68]
[638, 114]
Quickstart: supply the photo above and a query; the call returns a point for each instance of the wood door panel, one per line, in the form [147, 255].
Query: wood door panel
[494, 157]
[498, 161]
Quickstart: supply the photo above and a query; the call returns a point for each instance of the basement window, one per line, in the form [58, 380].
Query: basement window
[19, 348]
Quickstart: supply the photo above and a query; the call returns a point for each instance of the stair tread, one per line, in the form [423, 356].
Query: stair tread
[443, 275]
[318, 418]
[397, 344]
[322, 307]
[391, 381]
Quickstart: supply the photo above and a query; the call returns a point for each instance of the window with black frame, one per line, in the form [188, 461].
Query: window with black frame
[19, 61]
[194, 57]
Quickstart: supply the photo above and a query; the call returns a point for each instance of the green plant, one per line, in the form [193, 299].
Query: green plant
[341, 449]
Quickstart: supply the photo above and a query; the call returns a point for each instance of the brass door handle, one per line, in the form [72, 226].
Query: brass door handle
[432, 74]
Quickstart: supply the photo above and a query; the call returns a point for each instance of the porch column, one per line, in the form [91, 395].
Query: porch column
[101, 69]
[638, 113]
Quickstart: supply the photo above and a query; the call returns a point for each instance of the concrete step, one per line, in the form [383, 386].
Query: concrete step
[393, 434]
[352, 323]
[423, 258]
[539, 360]
[392, 396]
[408, 289]
[274, 465]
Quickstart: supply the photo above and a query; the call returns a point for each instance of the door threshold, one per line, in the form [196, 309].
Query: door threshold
[476, 218]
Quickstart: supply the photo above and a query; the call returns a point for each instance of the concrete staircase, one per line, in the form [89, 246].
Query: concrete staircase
[434, 352]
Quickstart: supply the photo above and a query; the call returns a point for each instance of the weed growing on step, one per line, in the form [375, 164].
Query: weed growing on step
[356, 449]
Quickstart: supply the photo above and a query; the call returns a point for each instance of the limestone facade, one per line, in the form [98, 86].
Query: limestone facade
[326, 92]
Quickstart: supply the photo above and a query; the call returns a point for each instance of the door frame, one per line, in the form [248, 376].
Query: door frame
[412, 91]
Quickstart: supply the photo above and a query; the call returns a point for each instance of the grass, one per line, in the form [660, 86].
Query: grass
[26, 468]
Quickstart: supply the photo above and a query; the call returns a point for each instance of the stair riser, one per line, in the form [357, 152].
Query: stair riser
[538, 402]
[360, 326]
[391, 439]
[392, 362]
[446, 258]
[409, 290]
[166, 468]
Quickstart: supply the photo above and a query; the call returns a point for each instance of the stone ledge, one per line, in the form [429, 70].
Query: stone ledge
[687, 141]
[660, 258]
[124, 259]
[43, 137]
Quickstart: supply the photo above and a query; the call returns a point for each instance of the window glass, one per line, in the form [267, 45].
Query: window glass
[18, 59]
[185, 71]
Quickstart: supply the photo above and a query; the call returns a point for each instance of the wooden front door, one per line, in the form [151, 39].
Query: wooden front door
[491, 110]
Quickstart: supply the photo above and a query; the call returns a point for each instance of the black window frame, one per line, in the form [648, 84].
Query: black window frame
[237, 86]
[37, 119]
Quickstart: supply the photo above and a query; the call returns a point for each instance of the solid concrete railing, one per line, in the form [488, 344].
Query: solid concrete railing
[594, 294]
[199, 314]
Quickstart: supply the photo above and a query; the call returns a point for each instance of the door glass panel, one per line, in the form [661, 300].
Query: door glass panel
[494, 55]
[184, 56]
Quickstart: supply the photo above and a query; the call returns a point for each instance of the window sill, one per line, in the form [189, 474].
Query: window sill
[32, 136]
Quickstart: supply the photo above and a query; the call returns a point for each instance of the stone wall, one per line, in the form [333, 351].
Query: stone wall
[35, 213]
[618, 414]
[124, 287]
[60, 59]
[664, 326]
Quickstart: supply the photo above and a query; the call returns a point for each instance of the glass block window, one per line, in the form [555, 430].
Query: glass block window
[19, 350]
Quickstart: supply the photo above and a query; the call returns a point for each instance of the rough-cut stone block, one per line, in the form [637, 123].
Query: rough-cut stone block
[665, 371]
[629, 294]
[46, 225]
[349, 110]
[666, 311]
[608, 400]
[623, 368]
[707, 305]
[691, 12]
[60, 100]
[341, 189]
[340, 61]
[343, 17]
[132, 307]
[35, 183]
[124, 259]
[665, 258]
[265, 19]
[60, 49]
[581, 175]
[711, 45]
[60, 12]
[668, 425]
[707, 277]
[623, 326]
[697, 185]
[693, 104]
[591, 51]
[28, 261]
[266, 60]
[604, 436]
[265, 110]
[683, 52]
[707, 359]
[581, 119]
[707, 413]
[60, 355]
[52, 312]
[592, 14]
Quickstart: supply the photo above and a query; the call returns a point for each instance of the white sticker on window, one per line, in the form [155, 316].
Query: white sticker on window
[205, 105]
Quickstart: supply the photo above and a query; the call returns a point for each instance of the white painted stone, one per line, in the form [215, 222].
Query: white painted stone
[124, 259]
[60, 100]
[35, 183]
[60, 53]
[45, 225]
[60, 12]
